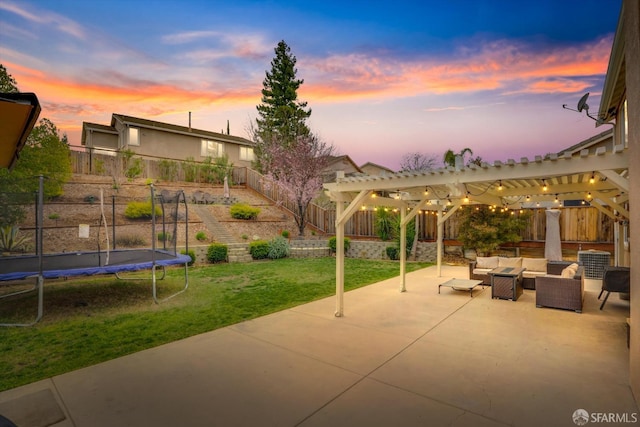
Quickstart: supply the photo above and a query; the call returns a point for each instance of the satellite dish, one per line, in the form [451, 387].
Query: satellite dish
[582, 104]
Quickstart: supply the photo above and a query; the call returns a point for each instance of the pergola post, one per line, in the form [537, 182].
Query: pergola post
[403, 249]
[339, 259]
[440, 238]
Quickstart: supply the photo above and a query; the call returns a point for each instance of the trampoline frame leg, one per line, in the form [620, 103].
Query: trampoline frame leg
[39, 286]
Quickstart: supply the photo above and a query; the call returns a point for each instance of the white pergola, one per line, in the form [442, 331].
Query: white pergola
[598, 175]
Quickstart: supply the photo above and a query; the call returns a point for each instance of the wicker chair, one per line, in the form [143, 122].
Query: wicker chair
[615, 279]
[561, 292]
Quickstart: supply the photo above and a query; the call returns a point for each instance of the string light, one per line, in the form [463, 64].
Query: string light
[466, 198]
[556, 200]
[374, 195]
[544, 185]
[589, 195]
[593, 178]
[528, 198]
[500, 185]
[426, 191]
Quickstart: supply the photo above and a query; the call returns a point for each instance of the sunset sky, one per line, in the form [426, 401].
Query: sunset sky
[382, 78]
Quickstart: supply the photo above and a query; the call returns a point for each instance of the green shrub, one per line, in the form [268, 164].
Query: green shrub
[201, 236]
[191, 254]
[332, 244]
[245, 237]
[244, 211]
[191, 170]
[130, 240]
[278, 248]
[54, 216]
[384, 223]
[259, 249]
[12, 240]
[168, 170]
[141, 210]
[285, 234]
[133, 165]
[393, 253]
[217, 252]
[165, 237]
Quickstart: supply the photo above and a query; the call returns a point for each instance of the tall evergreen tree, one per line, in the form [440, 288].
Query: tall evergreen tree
[282, 117]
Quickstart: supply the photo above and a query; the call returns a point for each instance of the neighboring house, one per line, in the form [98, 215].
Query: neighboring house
[603, 139]
[164, 141]
[375, 170]
[340, 163]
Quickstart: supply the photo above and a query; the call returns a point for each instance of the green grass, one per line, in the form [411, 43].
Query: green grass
[91, 320]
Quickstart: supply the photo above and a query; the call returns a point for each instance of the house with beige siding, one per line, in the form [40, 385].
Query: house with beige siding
[371, 168]
[159, 140]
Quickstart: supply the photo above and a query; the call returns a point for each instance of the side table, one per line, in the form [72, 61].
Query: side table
[506, 282]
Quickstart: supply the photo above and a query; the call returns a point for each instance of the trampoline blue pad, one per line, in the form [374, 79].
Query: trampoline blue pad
[86, 263]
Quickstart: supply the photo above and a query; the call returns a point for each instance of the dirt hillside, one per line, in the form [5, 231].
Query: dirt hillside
[81, 204]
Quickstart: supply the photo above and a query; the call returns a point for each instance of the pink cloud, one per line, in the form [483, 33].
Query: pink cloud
[498, 66]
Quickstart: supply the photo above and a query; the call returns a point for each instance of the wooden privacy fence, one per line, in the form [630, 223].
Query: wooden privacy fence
[91, 162]
[577, 224]
[584, 224]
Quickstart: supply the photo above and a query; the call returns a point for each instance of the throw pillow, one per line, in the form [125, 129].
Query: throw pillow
[569, 271]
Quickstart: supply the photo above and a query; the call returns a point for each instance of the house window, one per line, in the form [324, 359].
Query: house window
[211, 148]
[134, 136]
[246, 153]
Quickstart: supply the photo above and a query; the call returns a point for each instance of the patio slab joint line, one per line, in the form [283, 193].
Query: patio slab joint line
[367, 375]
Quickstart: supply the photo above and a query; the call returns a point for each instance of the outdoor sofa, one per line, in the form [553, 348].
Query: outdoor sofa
[534, 267]
[563, 288]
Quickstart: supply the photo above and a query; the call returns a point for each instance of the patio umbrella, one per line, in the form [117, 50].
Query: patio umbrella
[226, 187]
[552, 246]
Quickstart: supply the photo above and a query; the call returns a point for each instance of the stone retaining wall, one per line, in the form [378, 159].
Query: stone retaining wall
[364, 249]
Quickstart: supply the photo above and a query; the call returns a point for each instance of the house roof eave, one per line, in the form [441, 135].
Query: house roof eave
[613, 88]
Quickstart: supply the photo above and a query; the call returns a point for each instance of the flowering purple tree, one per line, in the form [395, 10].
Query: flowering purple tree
[296, 170]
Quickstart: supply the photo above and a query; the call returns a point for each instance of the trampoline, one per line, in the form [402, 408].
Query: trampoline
[42, 266]
[86, 263]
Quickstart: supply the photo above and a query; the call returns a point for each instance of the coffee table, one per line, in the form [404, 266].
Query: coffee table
[506, 282]
[461, 285]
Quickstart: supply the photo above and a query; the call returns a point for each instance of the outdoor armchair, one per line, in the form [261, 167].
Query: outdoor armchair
[561, 292]
[615, 279]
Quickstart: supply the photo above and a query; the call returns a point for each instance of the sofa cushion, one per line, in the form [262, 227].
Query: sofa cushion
[510, 262]
[487, 262]
[529, 274]
[535, 264]
[481, 271]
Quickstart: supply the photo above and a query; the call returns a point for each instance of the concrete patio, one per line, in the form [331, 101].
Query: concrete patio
[417, 358]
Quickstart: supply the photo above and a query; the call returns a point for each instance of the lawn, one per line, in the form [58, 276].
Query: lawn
[91, 320]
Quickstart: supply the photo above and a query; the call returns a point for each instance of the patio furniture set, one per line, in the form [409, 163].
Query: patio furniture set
[558, 284]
